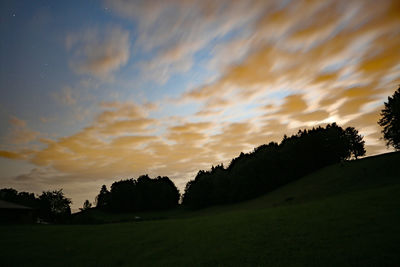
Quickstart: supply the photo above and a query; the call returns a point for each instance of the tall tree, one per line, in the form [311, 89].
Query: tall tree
[390, 120]
[355, 142]
[103, 198]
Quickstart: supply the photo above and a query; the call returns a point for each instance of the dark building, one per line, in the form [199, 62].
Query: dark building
[15, 213]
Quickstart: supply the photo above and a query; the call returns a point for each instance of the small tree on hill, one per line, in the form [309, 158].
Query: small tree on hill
[86, 205]
[356, 142]
[390, 120]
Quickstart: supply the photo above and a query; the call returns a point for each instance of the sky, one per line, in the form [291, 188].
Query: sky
[92, 92]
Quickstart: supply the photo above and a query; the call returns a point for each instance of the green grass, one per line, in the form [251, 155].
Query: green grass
[339, 216]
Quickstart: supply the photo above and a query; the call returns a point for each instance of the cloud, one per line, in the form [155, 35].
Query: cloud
[353, 106]
[115, 136]
[366, 119]
[177, 30]
[20, 133]
[293, 104]
[37, 174]
[116, 144]
[328, 61]
[325, 77]
[99, 52]
[23, 136]
[11, 155]
[127, 126]
[131, 141]
[14, 121]
[209, 112]
[192, 127]
[382, 56]
[116, 112]
[277, 59]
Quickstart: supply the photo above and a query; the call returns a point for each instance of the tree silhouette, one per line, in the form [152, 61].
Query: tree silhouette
[51, 206]
[390, 120]
[273, 165]
[23, 198]
[86, 205]
[54, 206]
[143, 193]
[103, 198]
[356, 142]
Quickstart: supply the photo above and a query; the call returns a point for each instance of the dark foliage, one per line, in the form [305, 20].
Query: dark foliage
[272, 165]
[139, 194]
[51, 206]
[390, 120]
[103, 198]
[86, 205]
[356, 142]
[54, 206]
[23, 198]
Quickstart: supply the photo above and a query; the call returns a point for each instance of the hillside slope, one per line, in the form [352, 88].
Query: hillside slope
[343, 215]
[356, 175]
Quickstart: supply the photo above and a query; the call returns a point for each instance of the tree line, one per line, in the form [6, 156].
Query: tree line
[50, 206]
[273, 165]
[249, 175]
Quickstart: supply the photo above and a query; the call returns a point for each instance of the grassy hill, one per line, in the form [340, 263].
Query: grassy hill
[346, 214]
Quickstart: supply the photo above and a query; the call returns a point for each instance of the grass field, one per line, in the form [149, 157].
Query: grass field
[343, 215]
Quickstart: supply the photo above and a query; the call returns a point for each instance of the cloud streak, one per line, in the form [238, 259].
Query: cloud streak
[20, 133]
[99, 52]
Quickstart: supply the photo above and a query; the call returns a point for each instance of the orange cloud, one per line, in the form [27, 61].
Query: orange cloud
[131, 141]
[383, 55]
[192, 127]
[10, 155]
[366, 119]
[353, 106]
[127, 126]
[293, 104]
[326, 77]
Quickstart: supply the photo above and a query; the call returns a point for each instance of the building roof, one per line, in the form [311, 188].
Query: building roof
[10, 205]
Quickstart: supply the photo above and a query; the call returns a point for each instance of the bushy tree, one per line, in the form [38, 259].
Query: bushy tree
[9, 194]
[143, 193]
[23, 198]
[51, 206]
[355, 142]
[390, 120]
[54, 206]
